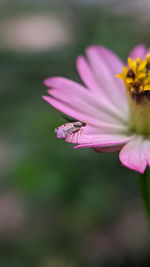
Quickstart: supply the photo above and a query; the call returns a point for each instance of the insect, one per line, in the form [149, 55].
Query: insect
[70, 128]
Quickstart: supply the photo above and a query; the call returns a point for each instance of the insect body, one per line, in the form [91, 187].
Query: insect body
[70, 128]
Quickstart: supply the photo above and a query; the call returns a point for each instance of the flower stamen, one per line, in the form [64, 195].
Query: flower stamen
[137, 77]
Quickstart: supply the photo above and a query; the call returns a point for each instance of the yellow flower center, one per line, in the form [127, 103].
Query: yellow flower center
[136, 77]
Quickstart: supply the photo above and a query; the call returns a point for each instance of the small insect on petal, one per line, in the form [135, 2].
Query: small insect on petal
[70, 128]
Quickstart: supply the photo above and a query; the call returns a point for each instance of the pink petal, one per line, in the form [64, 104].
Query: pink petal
[110, 149]
[89, 78]
[78, 93]
[87, 75]
[85, 107]
[114, 63]
[66, 109]
[133, 155]
[98, 140]
[148, 51]
[102, 62]
[98, 125]
[138, 51]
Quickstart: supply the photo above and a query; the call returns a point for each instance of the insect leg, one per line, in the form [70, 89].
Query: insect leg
[72, 137]
[81, 131]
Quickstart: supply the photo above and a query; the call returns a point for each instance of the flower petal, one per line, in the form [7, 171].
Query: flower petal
[79, 94]
[98, 125]
[98, 140]
[65, 108]
[87, 75]
[85, 107]
[105, 65]
[133, 155]
[89, 78]
[114, 63]
[138, 51]
[110, 149]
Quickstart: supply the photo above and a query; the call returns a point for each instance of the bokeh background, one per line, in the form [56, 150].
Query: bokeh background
[60, 207]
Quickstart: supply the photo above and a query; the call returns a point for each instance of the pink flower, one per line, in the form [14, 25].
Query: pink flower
[107, 104]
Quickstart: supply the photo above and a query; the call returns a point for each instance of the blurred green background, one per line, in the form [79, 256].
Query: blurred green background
[60, 207]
